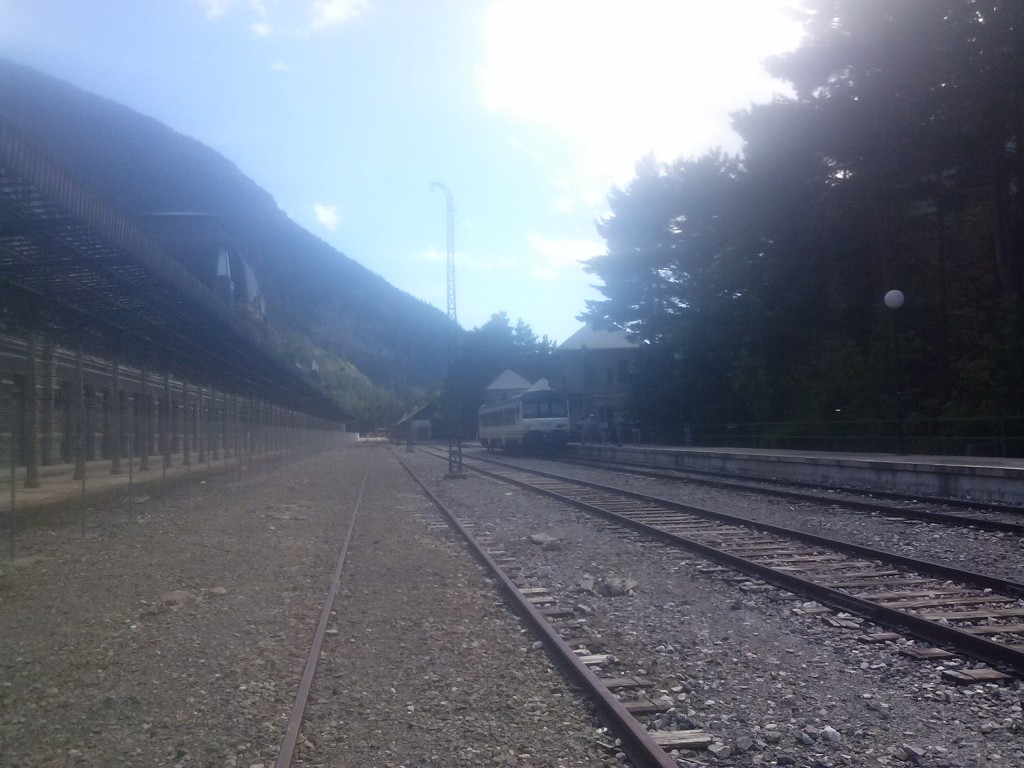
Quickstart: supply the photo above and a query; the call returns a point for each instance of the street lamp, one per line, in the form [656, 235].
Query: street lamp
[894, 300]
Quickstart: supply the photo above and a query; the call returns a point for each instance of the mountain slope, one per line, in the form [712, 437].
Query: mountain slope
[141, 166]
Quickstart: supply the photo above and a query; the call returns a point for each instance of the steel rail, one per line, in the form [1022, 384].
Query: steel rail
[636, 741]
[992, 506]
[981, 580]
[286, 753]
[931, 631]
[943, 518]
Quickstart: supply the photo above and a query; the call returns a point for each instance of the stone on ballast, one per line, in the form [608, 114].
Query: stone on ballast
[831, 735]
[720, 751]
[542, 538]
[614, 586]
[913, 753]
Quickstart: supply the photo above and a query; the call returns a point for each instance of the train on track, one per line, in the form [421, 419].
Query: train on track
[534, 421]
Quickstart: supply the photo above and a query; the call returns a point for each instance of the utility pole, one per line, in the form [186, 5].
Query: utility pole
[451, 407]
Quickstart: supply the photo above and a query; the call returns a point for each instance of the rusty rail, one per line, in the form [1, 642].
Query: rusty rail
[636, 741]
[287, 751]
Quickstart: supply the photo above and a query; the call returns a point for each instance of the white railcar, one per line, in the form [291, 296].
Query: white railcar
[535, 421]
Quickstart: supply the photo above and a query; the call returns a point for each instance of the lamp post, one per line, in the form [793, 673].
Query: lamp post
[894, 300]
[451, 409]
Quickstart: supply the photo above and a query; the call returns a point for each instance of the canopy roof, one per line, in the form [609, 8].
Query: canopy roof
[69, 260]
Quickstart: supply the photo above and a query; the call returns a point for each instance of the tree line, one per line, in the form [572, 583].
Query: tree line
[758, 279]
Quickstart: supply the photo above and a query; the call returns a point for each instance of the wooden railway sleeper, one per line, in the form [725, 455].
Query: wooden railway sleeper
[815, 573]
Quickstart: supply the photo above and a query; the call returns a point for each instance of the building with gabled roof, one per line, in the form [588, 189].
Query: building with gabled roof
[593, 367]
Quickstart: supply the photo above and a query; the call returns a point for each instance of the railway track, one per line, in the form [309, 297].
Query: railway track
[985, 517]
[571, 647]
[539, 609]
[951, 609]
[290, 742]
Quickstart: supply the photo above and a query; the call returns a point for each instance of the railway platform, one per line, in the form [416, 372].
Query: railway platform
[60, 492]
[60, 489]
[974, 477]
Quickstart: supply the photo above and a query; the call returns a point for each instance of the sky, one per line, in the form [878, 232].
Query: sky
[348, 111]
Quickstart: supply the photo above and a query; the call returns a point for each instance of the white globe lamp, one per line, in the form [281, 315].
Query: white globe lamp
[894, 299]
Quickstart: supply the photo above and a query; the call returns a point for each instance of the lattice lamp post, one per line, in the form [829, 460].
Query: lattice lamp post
[451, 409]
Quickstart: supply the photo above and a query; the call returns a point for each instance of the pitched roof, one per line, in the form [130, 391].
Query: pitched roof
[598, 338]
[509, 379]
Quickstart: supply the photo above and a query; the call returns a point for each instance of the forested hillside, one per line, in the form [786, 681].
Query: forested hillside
[319, 302]
[897, 165]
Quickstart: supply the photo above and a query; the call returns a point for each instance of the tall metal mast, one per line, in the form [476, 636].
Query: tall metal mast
[451, 407]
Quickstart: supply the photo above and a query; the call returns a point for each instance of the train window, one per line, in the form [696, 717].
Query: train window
[546, 409]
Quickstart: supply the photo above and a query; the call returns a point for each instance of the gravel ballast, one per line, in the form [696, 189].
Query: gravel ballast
[176, 635]
[773, 687]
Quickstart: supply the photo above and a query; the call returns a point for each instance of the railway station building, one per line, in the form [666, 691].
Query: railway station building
[122, 341]
[593, 367]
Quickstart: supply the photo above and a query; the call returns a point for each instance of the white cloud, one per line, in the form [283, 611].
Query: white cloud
[280, 66]
[216, 8]
[551, 258]
[619, 80]
[433, 256]
[465, 261]
[485, 263]
[470, 261]
[294, 18]
[327, 215]
[332, 13]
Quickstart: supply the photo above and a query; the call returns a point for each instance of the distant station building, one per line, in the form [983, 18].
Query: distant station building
[593, 368]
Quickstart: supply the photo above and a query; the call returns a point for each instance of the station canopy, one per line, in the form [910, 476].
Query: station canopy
[69, 259]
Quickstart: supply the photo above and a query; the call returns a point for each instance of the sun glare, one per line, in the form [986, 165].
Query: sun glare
[621, 79]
